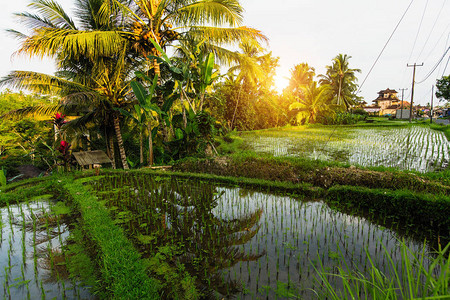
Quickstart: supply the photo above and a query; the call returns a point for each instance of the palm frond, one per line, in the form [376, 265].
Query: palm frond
[81, 99]
[214, 12]
[54, 12]
[34, 21]
[40, 110]
[225, 35]
[81, 123]
[72, 43]
[41, 83]
[17, 34]
[222, 55]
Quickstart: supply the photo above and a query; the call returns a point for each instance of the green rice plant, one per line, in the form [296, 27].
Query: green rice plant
[2, 179]
[415, 280]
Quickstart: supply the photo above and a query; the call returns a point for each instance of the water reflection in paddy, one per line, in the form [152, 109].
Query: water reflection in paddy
[241, 243]
[31, 262]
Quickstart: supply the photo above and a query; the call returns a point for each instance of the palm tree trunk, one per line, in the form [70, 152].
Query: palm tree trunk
[160, 99]
[141, 147]
[235, 108]
[183, 110]
[123, 156]
[111, 151]
[150, 145]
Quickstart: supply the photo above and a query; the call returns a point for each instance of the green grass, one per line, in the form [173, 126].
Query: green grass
[415, 281]
[427, 211]
[123, 275]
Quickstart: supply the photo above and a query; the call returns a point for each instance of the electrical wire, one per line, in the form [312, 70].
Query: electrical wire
[446, 43]
[418, 31]
[437, 42]
[445, 67]
[435, 67]
[432, 28]
[384, 47]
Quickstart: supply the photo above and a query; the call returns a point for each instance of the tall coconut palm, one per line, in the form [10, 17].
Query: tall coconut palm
[112, 38]
[248, 71]
[301, 75]
[313, 103]
[93, 61]
[342, 81]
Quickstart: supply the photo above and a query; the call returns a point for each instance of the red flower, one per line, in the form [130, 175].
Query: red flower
[64, 147]
[58, 120]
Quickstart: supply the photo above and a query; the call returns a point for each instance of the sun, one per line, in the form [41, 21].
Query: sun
[280, 82]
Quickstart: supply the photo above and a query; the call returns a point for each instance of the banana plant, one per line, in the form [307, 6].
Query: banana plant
[206, 78]
[143, 112]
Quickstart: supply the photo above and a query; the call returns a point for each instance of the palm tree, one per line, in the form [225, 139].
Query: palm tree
[248, 70]
[342, 81]
[113, 38]
[301, 75]
[313, 103]
[92, 58]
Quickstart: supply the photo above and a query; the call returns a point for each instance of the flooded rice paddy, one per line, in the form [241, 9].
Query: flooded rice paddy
[407, 148]
[246, 244]
[32, 264]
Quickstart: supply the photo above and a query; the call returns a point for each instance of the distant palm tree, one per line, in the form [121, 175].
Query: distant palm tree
[247, 72]
[301, 75]
[314, 101]
[342, 81]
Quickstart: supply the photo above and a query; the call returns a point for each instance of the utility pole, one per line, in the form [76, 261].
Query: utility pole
[412, 89]
[431, 110]
[401, 110]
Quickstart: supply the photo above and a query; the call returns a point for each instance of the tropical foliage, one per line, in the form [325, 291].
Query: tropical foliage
[443, 88]
[342, 80]
[312, 103]
[98, 53]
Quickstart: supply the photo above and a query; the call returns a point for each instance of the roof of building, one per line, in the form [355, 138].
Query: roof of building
[387, 91]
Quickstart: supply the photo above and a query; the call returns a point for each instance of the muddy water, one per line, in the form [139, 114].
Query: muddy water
[31, 264]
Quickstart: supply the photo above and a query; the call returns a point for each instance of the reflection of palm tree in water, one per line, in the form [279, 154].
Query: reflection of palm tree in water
[210, 243]
[179, 213]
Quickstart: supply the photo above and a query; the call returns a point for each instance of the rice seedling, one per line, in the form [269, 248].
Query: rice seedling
[27, 221]
[226, 236]
[408, 148]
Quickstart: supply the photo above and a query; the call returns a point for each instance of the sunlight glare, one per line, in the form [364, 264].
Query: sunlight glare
[281, 82]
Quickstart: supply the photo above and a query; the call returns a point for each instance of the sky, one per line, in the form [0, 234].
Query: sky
[315, 31]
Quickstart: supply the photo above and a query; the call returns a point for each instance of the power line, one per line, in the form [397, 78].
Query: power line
[437, 42]
[446, 43]
[418, 31]
[432, 28]
[382, 50]
[445, 66]
[435, 67]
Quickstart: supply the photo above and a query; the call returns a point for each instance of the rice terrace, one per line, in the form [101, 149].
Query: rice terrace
[171, 150]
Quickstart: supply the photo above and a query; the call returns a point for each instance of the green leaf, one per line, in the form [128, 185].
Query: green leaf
[158, 47]
[207, 71]
[2, 177]
[139, 91]
[168, 103]
[126, 113]
[179, 134]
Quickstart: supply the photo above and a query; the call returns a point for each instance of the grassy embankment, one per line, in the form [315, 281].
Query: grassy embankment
[422, 199]
[118, 271]
[113, 268]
